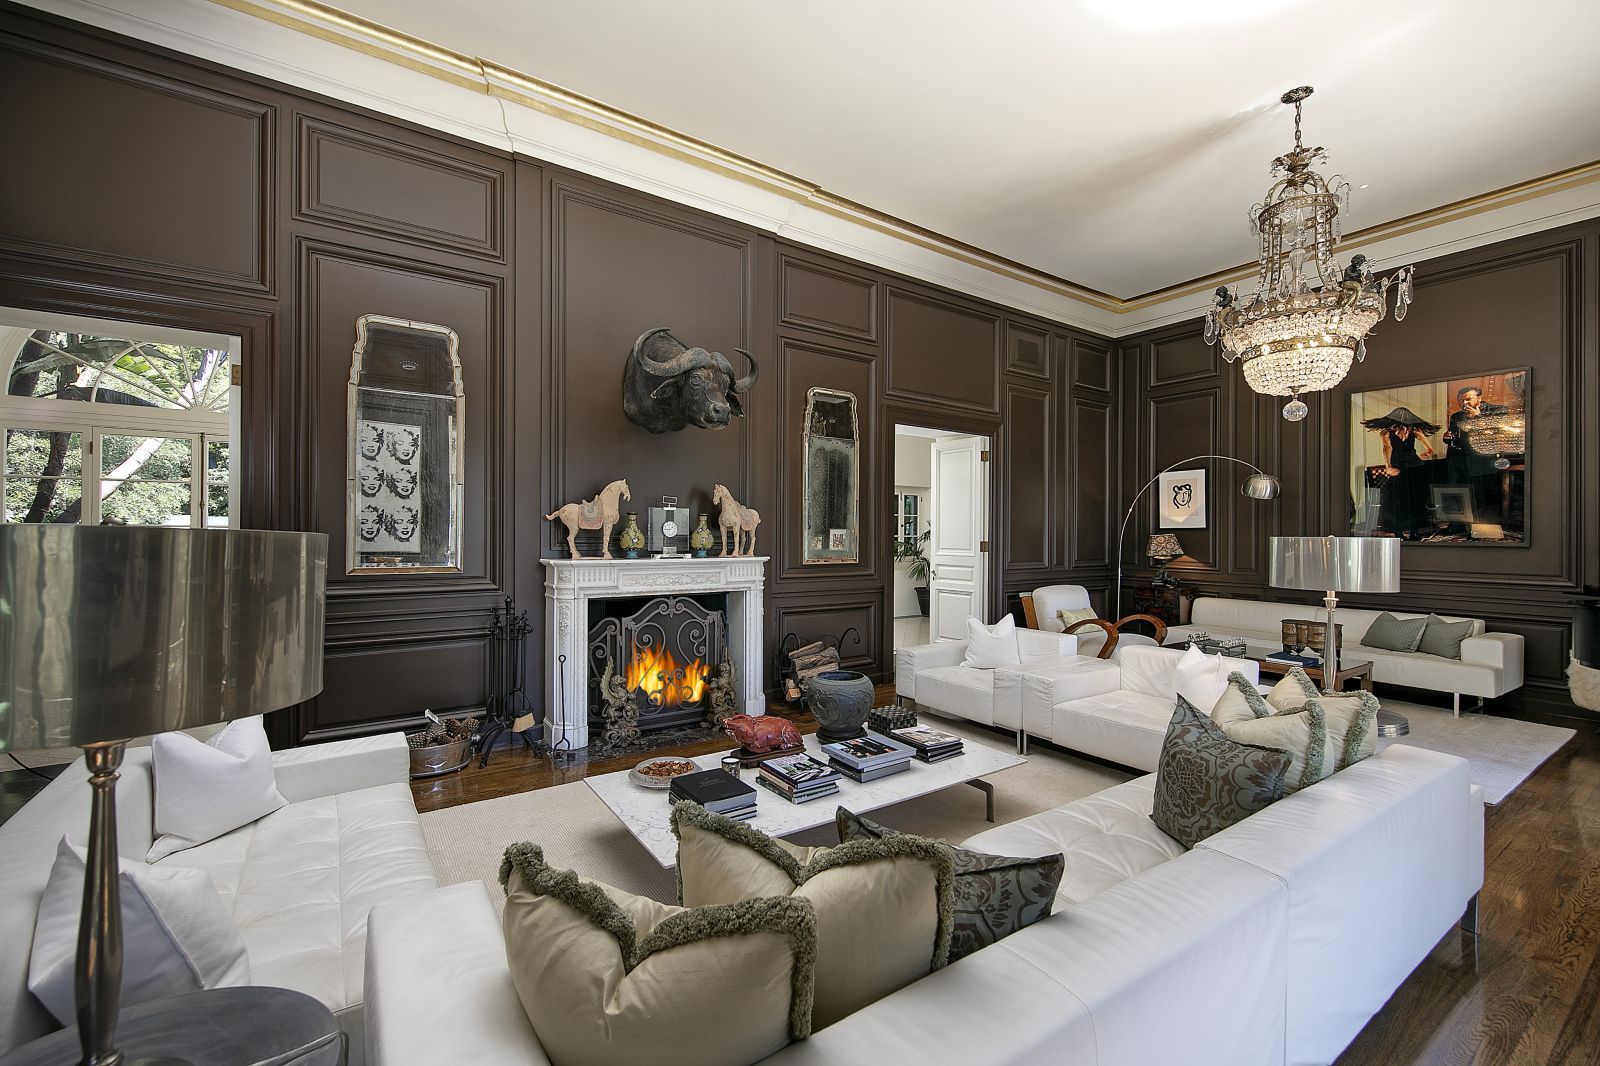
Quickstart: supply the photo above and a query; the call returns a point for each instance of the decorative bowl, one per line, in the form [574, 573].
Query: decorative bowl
[674, 767]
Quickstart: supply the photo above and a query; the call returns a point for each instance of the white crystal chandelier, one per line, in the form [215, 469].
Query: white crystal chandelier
[1308, 318]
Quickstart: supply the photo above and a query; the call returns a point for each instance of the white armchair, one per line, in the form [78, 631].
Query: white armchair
[934, 676]
[1096, 636]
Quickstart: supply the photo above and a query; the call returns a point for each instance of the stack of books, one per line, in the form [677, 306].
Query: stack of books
[717, 791]
[798, 778]
[869, 757]
[929, 744]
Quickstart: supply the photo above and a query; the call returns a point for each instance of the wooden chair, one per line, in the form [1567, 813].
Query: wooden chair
[1113, 630]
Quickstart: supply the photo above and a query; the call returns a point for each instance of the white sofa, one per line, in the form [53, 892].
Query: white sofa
[1271, 943]
[1490, 663]
[932, 675]
[298, 882]
[1112, 709]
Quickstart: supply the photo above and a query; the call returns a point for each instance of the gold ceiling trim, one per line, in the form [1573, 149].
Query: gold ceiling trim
[480, 75]
[1521, 192]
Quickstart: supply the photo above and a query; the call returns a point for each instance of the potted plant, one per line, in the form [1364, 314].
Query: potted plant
[914, 553]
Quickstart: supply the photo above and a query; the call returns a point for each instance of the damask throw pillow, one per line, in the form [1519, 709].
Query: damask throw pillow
[1207, 781]
[1396, 634]
[606, 976]
[994, 895]
[884, 907]
[1444, 638]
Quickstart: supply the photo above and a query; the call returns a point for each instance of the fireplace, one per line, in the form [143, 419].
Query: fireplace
[653, 661]
[581, 594]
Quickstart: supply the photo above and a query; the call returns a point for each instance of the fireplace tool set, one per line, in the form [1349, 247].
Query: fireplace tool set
[509, 710]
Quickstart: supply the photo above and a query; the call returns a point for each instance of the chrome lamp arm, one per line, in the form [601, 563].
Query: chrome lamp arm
[1260, 485]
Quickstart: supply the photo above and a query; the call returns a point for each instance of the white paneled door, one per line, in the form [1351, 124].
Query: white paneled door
[959, 505]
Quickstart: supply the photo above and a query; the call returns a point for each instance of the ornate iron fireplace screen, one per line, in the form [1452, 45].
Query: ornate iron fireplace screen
[661, 660]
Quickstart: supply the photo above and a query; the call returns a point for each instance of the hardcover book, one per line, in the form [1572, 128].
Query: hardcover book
[715, 790]
[865, 753]
[797, 771]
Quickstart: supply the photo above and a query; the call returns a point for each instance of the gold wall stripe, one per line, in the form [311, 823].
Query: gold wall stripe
[480, 75]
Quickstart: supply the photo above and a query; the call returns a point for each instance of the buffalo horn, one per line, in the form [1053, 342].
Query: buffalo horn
[687, 359]
[748, 382]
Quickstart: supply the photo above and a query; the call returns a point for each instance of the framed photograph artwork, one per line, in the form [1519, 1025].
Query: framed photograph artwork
[1442, 462]
[1182, 499]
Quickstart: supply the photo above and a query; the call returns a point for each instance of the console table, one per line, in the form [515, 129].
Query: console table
[1170, 603]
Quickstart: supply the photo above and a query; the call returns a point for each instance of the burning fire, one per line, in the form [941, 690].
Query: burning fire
[656, 673]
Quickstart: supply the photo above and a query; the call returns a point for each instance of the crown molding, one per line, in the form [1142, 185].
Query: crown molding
[314, 46]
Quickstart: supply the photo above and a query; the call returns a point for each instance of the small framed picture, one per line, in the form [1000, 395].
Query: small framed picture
[1182, 503]
[838, 540]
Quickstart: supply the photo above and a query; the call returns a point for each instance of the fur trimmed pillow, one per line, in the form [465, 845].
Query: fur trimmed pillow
[994, 895]
[606, 976]
[1322, 734]
[884, 907]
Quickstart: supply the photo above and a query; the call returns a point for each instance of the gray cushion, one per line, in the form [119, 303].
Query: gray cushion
[994, 895]
[1207, 781]
[1443, 638]
[1395, 634]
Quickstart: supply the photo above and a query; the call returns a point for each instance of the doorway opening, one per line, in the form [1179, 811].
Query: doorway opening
[941, 533]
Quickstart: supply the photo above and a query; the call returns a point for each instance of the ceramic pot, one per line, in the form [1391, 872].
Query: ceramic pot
[702, 539]
[631, 540]
[839, 700]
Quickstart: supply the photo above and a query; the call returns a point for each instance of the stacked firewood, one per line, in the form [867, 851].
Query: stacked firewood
[808, 661]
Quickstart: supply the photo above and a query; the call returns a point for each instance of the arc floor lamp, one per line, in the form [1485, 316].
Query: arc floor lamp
[1259, 485]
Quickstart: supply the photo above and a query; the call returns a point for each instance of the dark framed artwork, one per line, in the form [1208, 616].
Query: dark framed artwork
[1442, 462]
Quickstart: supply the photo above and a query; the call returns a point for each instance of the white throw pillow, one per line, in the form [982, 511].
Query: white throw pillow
[1200, 678]
[991, 647]
[204, 790]
[177, 936]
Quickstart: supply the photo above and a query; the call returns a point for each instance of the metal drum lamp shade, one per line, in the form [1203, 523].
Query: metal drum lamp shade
[112, 632]
[1335, 565]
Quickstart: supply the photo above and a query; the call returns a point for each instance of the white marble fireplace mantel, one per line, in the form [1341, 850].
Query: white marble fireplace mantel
[570, 584]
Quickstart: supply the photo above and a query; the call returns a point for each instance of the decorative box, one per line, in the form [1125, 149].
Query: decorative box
[1234, 647]
[883, 719]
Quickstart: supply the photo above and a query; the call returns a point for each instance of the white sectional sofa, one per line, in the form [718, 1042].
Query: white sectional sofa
[1271, 943]
[1490, 663]
[299, 882]
[932, 675]
[1112, 709]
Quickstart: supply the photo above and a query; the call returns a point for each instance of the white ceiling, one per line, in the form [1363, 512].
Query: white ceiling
[1115, 143]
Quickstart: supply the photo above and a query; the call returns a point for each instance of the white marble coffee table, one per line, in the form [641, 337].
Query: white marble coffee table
[645, 811]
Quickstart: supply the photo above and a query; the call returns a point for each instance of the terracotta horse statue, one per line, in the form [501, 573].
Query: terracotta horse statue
[737, 517]
[599, 513]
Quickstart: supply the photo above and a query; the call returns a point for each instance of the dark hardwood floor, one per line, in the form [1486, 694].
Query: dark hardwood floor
[514, 768]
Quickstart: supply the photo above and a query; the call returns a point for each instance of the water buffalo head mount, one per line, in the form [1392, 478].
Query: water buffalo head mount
[668, 385]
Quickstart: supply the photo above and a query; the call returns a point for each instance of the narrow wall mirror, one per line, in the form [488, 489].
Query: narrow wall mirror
[404, 464]
[832, 447]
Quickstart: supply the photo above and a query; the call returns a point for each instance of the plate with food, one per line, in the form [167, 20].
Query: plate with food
[659, 771]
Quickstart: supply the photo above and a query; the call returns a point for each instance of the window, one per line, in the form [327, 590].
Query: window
[908, 517]
[109, 423]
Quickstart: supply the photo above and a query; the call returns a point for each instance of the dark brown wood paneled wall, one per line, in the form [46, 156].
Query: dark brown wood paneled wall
[1531, 301]
[309, 213]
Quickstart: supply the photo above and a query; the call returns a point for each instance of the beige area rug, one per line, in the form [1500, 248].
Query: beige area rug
[1503, 752]
[579, 832]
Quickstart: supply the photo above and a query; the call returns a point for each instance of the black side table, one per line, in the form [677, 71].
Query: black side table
[1170, 603]
[245, 1026]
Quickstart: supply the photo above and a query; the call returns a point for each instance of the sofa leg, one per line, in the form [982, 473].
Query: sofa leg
[1455, 698]
[1469, 917]
[1022, 742]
